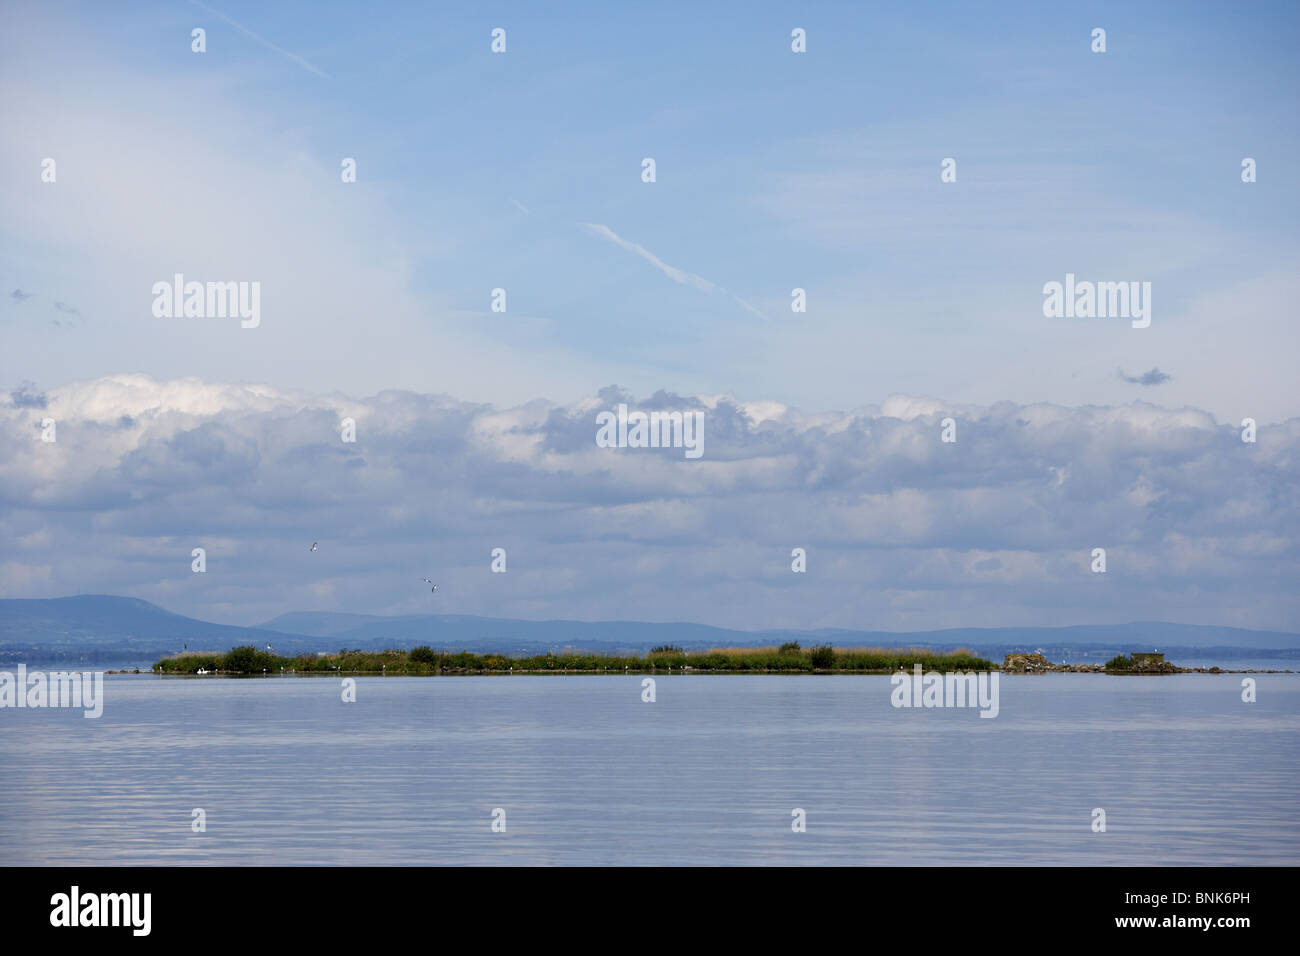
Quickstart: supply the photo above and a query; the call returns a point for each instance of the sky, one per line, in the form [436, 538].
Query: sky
[774, 170]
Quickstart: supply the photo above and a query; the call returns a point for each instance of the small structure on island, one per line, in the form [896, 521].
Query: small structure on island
[1148, 658]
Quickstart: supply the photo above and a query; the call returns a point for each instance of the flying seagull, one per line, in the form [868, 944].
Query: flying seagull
[434, 588]
[313, 545]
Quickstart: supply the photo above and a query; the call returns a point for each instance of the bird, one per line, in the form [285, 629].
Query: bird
[313, 545]
[434, 588]
[268, 647]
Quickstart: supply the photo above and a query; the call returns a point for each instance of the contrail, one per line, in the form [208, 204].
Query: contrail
[677, 275]
[680, 276]
[262, 40]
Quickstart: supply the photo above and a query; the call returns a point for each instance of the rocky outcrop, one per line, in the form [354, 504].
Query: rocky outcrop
[1038, 664]
[1028, 664]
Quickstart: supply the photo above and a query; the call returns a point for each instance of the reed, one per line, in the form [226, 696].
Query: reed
[426, 660]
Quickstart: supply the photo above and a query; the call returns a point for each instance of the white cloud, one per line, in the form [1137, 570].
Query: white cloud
[902, 531]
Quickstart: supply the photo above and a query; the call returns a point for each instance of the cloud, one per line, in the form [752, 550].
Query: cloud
[68, 310]
[26, 395]
[1152, 377]
[679, 276]
[262, 40]
[18, 297]
[902, 530]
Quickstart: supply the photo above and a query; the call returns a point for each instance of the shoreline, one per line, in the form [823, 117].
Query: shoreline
[674, 672]
[667, 660]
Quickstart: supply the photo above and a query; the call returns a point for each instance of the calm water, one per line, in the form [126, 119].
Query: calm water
[708, 774]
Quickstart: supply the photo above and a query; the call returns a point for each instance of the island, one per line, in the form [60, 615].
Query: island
[1121, 664]
[789, 658]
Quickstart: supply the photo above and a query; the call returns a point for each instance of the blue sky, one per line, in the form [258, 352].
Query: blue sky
[775, 170]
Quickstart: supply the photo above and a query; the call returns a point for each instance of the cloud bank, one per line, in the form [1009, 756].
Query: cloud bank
[902, 530]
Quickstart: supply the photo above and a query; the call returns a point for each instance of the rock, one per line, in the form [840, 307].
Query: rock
[1028, 664]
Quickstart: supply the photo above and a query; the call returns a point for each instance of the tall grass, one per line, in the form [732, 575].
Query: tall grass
[248, 660]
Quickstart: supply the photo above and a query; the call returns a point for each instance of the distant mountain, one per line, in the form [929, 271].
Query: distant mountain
[1155, 633]
[114, 627]
[465, 632]
[102, 627]
[453, 629]
[318, 623]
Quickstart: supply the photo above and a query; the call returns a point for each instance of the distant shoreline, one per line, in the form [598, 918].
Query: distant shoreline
[660, 673]
[789, 658]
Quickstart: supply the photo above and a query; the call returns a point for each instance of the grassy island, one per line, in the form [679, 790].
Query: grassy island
[1140, 664]
[787, 659]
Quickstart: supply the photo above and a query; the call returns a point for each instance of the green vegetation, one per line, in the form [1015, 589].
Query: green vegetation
[822, 657]
[425, 660]
[249, 660]
[1120, 663]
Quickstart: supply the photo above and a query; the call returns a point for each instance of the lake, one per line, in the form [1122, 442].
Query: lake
[709, 773]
